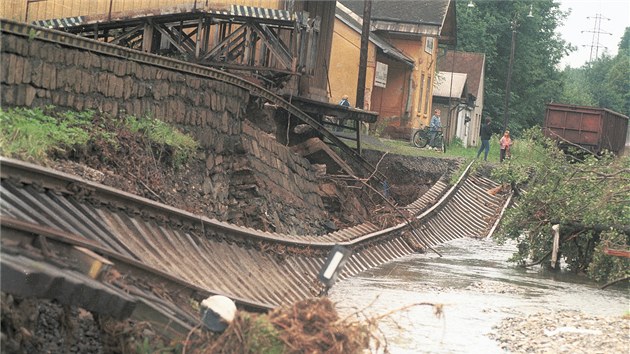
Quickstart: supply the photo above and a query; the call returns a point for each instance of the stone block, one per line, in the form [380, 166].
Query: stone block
[132, 68]
[118, 86]
[213, 100]
[60, 56]
[120, 68]
[86, 83]
[49, 76]
[222, 100]
[182, 91]
[71, 99]
[37, 73]
[127, 88]
[56, 98]
[225, 122]
[26, 75]
[22, 47]
[151, 72]
[110, 107]
[106, 64]
[210, 161]
[4, 69]
[95, 61]
[18, 69]
[69, 55]
[64, 79]
[33, 48]
[7, 95]
[11, 59]
[9, 43]
[89, 103]
[180, 112]
[193, 82]
[142, 90]
[102, 83]
[29, 95]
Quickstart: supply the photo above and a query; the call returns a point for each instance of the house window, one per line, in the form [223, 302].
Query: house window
[429, 45]
[426, 100]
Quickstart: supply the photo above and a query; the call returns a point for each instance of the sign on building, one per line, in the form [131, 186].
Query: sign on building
[380, 79]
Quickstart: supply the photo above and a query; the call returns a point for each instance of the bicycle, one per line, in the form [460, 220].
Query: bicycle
[422, 137]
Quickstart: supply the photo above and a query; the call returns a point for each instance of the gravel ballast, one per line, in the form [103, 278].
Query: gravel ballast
[564, 332]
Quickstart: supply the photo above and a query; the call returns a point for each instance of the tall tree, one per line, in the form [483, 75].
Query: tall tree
[576, 88]
[535, 79]
[604, 82]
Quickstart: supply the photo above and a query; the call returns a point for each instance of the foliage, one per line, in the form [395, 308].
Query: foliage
[605, 82]
[583, 196]
[263, 336]
[38, 134]
[487, 28]
[161, 133]
[576, 88]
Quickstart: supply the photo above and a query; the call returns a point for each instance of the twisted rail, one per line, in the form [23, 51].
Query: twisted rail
[258, 269]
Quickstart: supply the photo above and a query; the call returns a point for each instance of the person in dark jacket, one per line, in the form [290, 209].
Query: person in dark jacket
[485, 135]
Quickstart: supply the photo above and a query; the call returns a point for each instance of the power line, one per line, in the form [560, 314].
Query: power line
[597, 31]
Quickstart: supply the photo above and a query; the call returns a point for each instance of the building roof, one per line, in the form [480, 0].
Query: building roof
[424, 12]
[465, 62]
[443, 86]
[427, 17]
[349, 18]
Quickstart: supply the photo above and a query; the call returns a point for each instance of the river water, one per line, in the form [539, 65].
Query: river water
[477, 286]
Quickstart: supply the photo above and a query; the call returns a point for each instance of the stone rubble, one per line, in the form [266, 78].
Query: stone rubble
[564, 331]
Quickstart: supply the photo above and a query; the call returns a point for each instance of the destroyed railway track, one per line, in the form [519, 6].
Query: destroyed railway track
[195, 255]
[107, 49]
[192, 256]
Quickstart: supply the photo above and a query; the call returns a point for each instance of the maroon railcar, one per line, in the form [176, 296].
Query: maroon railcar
[592, 128]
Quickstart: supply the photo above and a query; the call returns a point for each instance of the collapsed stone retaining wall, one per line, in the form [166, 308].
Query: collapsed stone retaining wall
[35, 73]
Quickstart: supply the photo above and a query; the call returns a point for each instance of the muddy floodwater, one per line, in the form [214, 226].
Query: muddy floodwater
[478, 288]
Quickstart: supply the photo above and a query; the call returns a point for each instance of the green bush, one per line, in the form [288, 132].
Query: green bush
[584, 197]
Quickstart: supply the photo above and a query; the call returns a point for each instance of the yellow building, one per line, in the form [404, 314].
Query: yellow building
[402, 58]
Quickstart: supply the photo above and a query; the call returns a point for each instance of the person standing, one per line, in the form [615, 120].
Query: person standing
[344, 101]
[485, 136]
[505, 143]
[434, 126]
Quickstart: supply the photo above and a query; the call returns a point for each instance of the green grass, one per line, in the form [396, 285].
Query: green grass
[162, 133]
[32, 134]
[523, 151]
[37, 134]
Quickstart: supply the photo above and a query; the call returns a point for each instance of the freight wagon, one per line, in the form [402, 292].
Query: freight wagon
[592, 128]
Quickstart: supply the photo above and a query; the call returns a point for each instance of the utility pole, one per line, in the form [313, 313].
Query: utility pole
[508, 81]
[365, 38]
[596, 32]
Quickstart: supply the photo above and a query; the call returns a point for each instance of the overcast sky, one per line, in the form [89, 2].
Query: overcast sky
[580, 24]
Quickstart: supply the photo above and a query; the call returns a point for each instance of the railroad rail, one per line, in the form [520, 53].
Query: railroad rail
[205, 256]
[70, 40]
